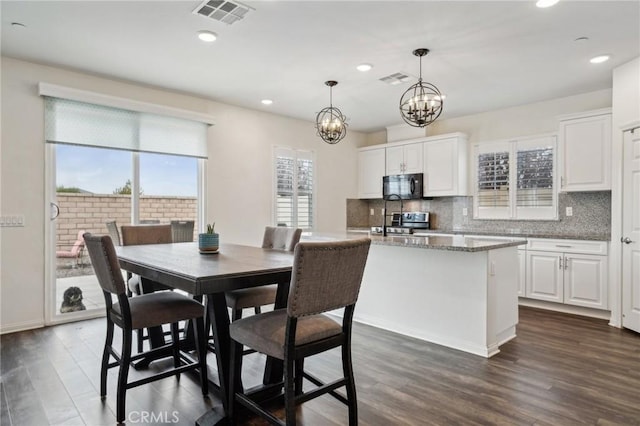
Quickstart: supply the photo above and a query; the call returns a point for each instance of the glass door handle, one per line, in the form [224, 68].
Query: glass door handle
[626, 240]
[55, 211]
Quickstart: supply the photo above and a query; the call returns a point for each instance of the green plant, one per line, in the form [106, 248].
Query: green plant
[211, 228]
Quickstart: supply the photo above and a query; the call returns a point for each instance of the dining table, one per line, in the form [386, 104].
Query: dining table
[181, 266]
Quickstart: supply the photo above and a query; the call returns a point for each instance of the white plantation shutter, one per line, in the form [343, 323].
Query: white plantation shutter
[294, 188]
[535, 188]
[493, 181]
[516, 179]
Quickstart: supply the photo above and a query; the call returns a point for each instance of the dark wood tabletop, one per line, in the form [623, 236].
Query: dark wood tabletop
[181, 266]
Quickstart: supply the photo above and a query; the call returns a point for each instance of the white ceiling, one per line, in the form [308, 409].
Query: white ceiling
[484, 55]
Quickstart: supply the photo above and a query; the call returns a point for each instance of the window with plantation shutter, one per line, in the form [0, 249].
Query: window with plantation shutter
[493, 179]
[516, 179]
[294, 188]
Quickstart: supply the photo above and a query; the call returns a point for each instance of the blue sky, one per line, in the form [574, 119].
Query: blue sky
[101, 171]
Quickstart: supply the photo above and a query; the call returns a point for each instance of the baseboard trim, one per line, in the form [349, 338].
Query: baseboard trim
[21, 326]
[567, 309]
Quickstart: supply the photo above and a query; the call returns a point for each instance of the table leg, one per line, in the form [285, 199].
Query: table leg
[217, 310]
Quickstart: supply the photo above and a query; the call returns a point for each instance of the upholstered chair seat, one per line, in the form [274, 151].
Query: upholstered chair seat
[266, 332]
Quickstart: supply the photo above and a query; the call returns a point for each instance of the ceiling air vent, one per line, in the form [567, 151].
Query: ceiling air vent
[222, 10]
[396, 78]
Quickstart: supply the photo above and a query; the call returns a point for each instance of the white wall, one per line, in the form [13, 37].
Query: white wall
[239, 180]
[524, 120]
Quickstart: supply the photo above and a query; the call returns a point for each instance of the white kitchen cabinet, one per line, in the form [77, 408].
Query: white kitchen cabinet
[445, 165]
[522, 276]
[403, 159]
[568, 271]
[371, 169]
[545, 276]
[585, 151]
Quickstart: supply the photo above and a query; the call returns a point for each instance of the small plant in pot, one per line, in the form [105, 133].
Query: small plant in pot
[209, 242]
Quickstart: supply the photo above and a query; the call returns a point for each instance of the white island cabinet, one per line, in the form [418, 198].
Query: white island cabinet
[455, 291]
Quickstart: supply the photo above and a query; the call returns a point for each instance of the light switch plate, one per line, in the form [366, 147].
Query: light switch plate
[465, 211]
[12, 221]
[569, 211]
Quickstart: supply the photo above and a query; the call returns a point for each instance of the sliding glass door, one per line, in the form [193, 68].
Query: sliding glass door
[91, 186]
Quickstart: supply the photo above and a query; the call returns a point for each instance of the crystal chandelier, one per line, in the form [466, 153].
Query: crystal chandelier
[330, 123]
[421, 104]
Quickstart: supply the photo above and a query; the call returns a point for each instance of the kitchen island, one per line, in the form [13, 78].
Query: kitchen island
[454, 291]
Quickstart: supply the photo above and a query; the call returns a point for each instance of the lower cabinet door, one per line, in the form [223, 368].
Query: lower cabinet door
[522, 276]
[545, 276]
[585, 280]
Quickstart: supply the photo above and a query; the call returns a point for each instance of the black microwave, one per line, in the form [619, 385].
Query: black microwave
[407, 187]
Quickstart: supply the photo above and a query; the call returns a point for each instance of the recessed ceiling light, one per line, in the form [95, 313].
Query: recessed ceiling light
[266, 101]
[546, 3]
[599, 59]
[364, 67]
[207, 36]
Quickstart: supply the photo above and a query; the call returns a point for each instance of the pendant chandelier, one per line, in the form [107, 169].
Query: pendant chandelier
[421, 104]
[330, 123]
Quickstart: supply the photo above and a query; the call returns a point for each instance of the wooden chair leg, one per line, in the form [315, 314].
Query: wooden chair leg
[175, 346]
[125, 360]
[104, 367]
[257, 310]
[298, 376]
[140, 339]
[350, 385]
[289, 392]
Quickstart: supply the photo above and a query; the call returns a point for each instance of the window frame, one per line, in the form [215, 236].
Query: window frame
[513, 211]
[296, 154]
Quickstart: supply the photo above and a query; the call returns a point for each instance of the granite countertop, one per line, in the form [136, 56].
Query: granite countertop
[515, 233]
[450, 243]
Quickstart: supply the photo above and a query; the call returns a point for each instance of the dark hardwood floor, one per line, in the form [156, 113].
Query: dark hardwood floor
[560, 370]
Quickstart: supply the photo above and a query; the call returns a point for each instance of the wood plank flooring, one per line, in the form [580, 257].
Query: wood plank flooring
[560, 370]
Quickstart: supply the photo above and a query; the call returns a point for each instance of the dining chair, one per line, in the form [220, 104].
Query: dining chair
[76, 252]
[182, 230]
[277, 238]
[136, 313]
[139, 235]
[326, 276]
[112, 228]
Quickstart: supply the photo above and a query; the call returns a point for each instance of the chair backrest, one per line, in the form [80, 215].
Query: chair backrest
[105, 263]
[182, 230]
[326, 275]
[145, 234]
[281, 238]
[112, 228]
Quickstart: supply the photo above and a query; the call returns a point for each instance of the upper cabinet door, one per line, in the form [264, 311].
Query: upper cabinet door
[403, 159]
[585, 153]
[371, 165]
[445, 167]
[395, 160]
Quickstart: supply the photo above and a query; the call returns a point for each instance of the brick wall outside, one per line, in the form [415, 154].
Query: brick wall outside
[90, 212]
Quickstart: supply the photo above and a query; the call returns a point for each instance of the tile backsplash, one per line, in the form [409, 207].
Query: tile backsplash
[591, 213]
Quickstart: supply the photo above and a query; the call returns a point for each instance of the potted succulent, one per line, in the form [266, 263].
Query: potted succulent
[209, 241]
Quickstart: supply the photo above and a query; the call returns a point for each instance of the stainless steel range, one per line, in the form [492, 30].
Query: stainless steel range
[405, 223]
